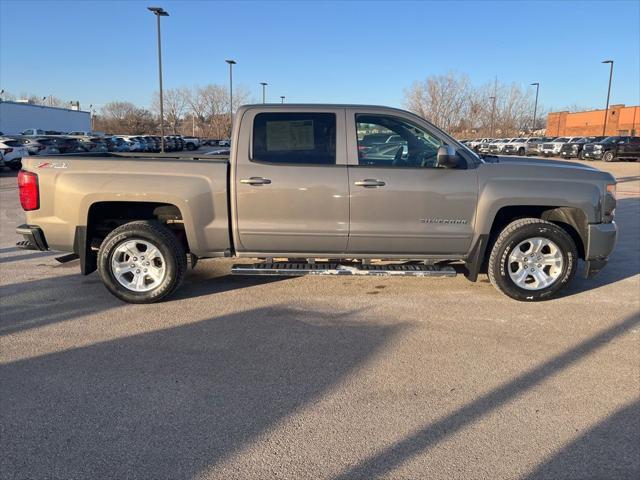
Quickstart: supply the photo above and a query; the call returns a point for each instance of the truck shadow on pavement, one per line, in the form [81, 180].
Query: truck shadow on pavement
[37, 303]
[609, 450]
[173, 402]
[625, 454]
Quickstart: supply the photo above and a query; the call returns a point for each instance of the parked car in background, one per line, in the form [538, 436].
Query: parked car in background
[86, 134]
[224, 143]
[518, 146]
[33, 132]
[552, 149]
[574, 149]
[191, 143]
[40, 146]
[483, 147]
[67, 144]
[116, 144]
[475, 144]
[497, 146]
[13, 151]
[535, 147]
[613, 148]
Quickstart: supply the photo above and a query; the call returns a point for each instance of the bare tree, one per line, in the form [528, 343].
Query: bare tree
[125, 118]
[441, 99]
[175, 106]
[451, 103]
[209, 105]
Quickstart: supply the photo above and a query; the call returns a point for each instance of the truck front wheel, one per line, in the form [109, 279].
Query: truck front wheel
[608, 157]
[532, 260]
[142, 262]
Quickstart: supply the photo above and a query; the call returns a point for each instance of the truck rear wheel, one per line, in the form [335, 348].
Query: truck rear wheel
[142, 262]
[532, 260]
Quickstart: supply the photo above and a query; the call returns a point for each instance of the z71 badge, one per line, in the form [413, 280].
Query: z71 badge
[52, 165]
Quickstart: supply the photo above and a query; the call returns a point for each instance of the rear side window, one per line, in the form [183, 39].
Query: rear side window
[295, 138]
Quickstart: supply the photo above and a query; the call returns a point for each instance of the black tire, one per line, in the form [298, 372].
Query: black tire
[581, 155]
[510, 237]
[191, 146]
[521, 152]
[608, 156]
[163, 239]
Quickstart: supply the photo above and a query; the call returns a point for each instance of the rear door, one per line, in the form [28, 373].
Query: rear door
[290, 181]
[401, 204]
[634, 147]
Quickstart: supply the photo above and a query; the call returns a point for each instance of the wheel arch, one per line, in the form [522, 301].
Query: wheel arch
[571, 219]
[105, 216]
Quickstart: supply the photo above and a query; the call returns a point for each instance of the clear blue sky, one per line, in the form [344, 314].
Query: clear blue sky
[347, 52]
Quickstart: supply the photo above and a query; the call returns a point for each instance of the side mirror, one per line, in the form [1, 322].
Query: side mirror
[447, 157]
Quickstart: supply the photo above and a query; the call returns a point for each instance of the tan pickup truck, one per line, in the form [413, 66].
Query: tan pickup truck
[323, 190]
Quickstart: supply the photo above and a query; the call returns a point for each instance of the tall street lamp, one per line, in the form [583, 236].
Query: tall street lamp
[493, 111]
[281, 98]
[606, 110]
[159, 12]
[231, 64]
[535, 108]
[264, 85]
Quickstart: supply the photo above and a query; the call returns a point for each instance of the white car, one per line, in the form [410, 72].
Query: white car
[550, 149]
[191, 143]
[13, 152]
[519, 146]
[224, 143]
[134, 144]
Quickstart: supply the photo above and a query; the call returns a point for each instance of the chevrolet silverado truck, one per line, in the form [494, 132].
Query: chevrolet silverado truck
[299, 195]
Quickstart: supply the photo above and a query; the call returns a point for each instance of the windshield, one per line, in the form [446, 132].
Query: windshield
[609, 140]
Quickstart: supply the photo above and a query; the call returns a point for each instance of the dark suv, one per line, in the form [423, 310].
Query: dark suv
[613, 148]
[574, 149]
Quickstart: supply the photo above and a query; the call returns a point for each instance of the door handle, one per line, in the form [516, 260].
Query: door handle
[255, 181]
[369, 183]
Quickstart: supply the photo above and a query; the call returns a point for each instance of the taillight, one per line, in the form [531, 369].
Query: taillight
[28, 188]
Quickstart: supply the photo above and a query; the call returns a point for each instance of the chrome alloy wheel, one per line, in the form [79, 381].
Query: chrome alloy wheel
[535, 263]
[138, 265]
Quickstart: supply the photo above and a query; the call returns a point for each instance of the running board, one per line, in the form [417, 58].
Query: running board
[295, 269]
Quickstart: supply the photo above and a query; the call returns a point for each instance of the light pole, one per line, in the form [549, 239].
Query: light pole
[91, 116]
[264, 86]
[493, 110]
[606, 110]
[231, 64]
[535, 108]
[281, 98]
[159, 12]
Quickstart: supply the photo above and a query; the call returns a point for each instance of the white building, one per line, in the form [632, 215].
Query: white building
[16, 117]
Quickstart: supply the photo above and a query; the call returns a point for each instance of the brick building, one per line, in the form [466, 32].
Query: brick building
[622, 121]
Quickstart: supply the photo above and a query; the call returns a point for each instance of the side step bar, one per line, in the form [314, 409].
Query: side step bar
[295, 269]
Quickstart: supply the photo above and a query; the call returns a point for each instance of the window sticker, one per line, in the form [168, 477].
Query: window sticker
[290, 135]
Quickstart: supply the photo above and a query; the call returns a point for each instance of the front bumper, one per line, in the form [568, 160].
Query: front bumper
[593, 154]
[33, 238]
[601, 239]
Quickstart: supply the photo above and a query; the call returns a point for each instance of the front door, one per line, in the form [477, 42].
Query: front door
[291, 184]
[401, 203]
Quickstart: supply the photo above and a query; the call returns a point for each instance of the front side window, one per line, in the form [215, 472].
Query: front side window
[412, 146]
[295, 138]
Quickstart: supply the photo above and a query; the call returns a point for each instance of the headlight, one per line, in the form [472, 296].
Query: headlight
[597, 147]
[574, 147]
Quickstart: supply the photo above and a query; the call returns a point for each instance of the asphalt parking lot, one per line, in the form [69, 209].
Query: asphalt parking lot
[331, 378]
